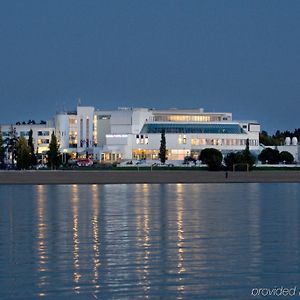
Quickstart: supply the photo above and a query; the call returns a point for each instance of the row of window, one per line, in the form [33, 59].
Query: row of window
[187, 118]
[182, 139]
[223, 142]
[43, 141]
[26, 133]
[192, 128]
[142, 139]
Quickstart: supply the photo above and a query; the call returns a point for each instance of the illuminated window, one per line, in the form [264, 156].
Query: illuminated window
[184, 139]
[43, 141]
[186, 118]
[95, 130]
[72, 121]
[179, 139]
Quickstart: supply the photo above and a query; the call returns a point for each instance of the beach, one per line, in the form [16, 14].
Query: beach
[133, 177]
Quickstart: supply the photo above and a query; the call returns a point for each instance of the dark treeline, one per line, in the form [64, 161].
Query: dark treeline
[31, 122]
[278, 138]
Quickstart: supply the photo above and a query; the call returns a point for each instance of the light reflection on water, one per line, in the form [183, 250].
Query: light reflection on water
[174, 241]
[41, 241]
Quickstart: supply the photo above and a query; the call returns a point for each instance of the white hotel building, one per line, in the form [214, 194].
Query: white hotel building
[135, 133]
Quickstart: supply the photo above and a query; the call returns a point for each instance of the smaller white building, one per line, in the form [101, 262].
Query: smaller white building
[41, 134]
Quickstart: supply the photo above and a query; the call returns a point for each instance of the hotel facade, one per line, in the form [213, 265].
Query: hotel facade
[135, 133]
[41, 134]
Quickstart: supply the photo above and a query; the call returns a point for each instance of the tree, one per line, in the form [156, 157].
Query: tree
[2, 149]
[268, 140]
[278, 138]
[239, 158]
[270, 156]
[53, 153]
[233, 158]
[212, 157]
[286, 157]
[247, 157]
[11, 144]
[23, 154]
[33, 159]
[162, 150]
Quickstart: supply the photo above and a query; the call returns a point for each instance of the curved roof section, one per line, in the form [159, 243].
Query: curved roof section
[192, 128]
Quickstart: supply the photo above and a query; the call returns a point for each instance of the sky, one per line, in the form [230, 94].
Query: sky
[235, 56]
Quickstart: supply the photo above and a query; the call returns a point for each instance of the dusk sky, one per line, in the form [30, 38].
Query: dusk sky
[237, 56]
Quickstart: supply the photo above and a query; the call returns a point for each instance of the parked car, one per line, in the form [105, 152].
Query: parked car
[41, 167]
[84, 162]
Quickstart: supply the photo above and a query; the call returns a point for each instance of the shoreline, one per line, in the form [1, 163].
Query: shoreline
[141, 177]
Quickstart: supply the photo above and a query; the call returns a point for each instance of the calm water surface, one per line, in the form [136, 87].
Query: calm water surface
[177, 241]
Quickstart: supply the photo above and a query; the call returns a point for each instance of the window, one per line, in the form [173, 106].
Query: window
[87, 132]
[43, 133]
[192, 128]
[103, 117]
[81, 132]
[24, 133]
[5, 133]
[72, 121]
[180, 139]
[43, 141]
[186, 118]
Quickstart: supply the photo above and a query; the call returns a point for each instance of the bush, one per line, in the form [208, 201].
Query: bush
[243, 158]
[212, 157]
[188, 159]
[233, 158]
[286, 157]
[270, 156]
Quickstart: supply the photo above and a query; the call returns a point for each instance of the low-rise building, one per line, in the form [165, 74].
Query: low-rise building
[135, 133]
[41, 134]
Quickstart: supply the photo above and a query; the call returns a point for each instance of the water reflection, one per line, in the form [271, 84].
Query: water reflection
[145, 238]
[76, 264]
[180, 234]
[148, 241]
[254, 217]
[95, 235]
[42, 247]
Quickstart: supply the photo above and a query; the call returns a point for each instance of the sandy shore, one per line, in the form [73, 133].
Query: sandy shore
[119, 177]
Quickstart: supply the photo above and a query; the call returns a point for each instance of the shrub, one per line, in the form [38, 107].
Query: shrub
[286, 157]
[270, 156]
[212, 157]
[233, 158]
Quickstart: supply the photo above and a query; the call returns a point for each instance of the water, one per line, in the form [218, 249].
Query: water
[177, 241]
